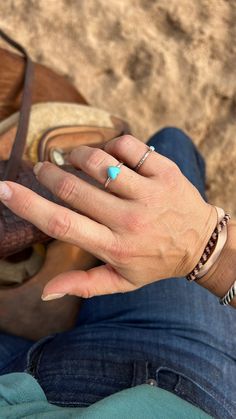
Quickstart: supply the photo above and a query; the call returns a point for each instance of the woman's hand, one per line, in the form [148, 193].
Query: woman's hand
[153, 225]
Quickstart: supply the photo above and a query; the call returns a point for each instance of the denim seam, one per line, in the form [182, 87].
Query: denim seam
[134, 374]
[59, 402]
[177, 389]
[101, 360]
[211, 395]
[35, 354]
[195, 402]
[146, 370]
[93, 379]
[182, 375]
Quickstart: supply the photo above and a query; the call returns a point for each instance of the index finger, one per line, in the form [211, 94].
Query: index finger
[56, 221]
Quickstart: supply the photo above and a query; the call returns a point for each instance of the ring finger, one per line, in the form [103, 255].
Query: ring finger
[95, 163]
[131, 151]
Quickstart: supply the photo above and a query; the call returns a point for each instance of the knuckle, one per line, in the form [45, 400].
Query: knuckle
[59, 225]
[95, 159]
[120, 254]
[25, 206]
[133, 188]
[86, 293]
[123, 143]
[65, 188]
[74, 154]
[134, 222]
[171, 175]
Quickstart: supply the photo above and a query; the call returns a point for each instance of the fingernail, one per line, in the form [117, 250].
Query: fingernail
[37, 168]
[52, 297]
[5, 191]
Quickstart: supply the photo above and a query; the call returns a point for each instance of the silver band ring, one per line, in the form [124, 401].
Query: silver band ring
[113, 172]
[145, 156]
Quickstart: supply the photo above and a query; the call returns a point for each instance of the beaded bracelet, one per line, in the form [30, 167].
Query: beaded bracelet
[193, 275]
[229, 296]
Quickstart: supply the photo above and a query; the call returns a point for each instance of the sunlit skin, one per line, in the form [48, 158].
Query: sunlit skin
[145, 226]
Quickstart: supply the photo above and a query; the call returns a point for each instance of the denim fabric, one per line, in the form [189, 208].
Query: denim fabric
[172, 332]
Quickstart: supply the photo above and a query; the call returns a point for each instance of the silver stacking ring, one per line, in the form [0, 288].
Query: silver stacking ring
[145, 156]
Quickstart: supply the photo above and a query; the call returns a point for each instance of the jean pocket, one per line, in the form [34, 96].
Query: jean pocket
[200, 394]
[34, 354]
[82, 382]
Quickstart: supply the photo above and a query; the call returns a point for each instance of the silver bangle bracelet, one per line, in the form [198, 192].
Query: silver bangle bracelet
[229, 296]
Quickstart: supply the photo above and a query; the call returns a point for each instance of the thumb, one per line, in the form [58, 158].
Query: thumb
[96, 281]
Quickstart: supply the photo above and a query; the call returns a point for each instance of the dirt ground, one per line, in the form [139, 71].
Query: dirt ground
[154, 63]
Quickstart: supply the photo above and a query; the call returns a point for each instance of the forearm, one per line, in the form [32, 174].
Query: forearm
[223, 273]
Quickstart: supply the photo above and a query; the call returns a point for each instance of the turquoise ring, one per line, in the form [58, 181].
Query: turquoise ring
[112, 173]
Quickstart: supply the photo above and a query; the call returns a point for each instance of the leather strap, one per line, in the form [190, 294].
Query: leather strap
[15, 158]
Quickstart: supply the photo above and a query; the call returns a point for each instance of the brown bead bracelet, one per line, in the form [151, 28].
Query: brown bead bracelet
[192, 276]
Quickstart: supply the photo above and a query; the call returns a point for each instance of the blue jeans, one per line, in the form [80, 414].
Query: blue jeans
[172, 332]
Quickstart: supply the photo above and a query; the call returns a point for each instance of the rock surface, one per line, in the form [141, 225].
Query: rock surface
[154, 63]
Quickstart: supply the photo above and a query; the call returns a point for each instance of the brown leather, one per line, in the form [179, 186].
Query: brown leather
[48, 86]
[6, 142]
[65, 138]
[17, 234]
[12, 166]
[13, 163]
[68, 138]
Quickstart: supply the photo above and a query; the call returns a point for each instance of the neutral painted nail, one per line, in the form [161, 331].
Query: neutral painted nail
[37, 168]
[52, 297]
[5, 191]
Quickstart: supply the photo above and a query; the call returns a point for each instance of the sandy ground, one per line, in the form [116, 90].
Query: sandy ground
[154, 63]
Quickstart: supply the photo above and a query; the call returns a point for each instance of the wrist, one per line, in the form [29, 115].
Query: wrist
[223, 273]
[207, 224]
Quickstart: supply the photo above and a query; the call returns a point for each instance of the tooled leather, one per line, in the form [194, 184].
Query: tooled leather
[15, 233]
